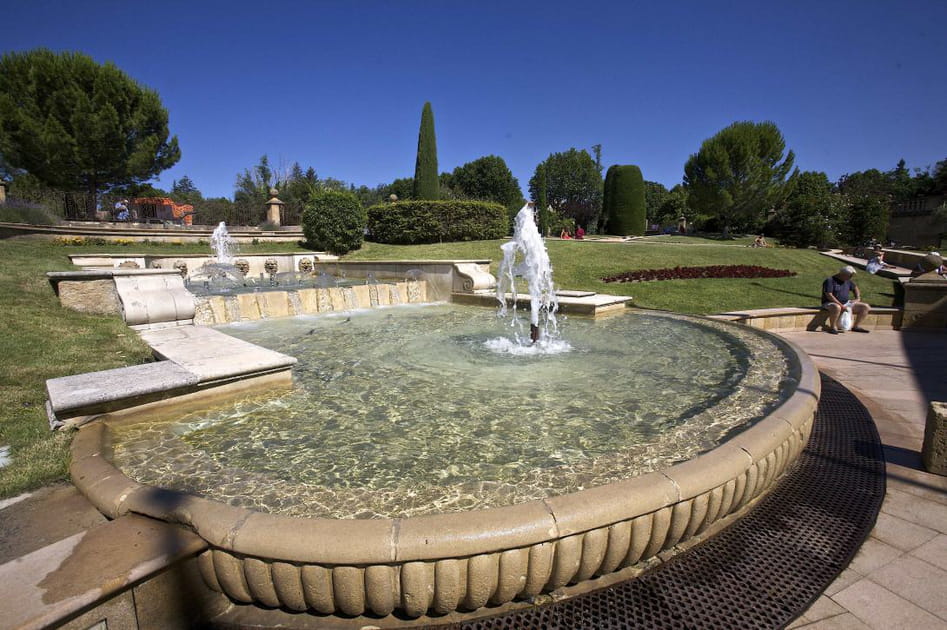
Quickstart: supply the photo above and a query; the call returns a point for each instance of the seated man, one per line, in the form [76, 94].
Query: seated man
[835, 299]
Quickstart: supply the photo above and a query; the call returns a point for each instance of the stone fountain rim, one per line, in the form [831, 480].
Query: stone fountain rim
[446, 535]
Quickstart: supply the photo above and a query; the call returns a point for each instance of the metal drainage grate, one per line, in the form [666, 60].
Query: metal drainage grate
[765, 569]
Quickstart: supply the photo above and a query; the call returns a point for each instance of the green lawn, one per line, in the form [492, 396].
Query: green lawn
[581, 265]
[40, 340]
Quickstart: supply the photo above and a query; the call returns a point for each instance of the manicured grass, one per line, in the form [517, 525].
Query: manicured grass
[40, 340]
[581, 265]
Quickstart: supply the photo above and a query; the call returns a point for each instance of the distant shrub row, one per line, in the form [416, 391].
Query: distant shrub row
[692, 273]
[422, 221]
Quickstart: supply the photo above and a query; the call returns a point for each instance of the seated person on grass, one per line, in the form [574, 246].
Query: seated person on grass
[835, 299]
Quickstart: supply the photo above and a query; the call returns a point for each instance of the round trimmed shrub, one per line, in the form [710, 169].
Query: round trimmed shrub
[334, 221]
[420, 221]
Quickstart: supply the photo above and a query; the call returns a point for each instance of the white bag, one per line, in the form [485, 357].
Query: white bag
[845, 320]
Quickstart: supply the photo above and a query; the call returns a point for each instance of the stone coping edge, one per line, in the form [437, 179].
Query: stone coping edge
[792, 319]
[544, 544]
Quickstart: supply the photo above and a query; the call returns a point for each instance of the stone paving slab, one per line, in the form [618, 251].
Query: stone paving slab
[213, 355]
[899, 577]
[61, 579]
[43, 517]
[881, 609]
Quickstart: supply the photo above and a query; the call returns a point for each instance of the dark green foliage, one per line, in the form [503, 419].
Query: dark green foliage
[426, 185]
[870, 183]
[866, 218]
[655, 196]
[542, 200]
[625, 207]
[573, 186]
[812, 215]
[75, 124]
[403, 188]
[184, 191]
[251, 190]
[419, 221]
[487, 179]
[334, 221]
[739, 174]
[213, 210]
[608, 193]
[675, 206]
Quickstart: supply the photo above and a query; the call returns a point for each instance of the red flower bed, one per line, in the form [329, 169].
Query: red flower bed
[691, 273]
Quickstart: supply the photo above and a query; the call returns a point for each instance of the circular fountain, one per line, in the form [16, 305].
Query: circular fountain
[432, 461]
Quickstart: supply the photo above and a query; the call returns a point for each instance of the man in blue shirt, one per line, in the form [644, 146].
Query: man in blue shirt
[836, 292]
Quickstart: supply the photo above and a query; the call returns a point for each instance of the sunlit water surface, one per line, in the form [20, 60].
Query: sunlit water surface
[415, 410]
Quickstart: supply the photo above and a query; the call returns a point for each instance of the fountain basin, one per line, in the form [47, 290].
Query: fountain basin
[439, 563]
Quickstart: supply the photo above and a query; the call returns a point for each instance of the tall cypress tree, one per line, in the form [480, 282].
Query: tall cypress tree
[426, 184]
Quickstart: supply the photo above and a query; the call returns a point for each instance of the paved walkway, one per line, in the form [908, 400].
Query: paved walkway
[899, 577]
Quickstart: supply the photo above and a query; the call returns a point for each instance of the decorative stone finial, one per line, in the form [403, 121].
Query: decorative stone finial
[273, 192]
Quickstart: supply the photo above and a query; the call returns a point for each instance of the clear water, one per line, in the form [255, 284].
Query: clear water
[415, 410]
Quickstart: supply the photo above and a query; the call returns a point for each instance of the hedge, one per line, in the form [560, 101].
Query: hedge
[421, 221]
[334, 221]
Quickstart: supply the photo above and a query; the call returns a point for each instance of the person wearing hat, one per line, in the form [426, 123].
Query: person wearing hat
[836, 292]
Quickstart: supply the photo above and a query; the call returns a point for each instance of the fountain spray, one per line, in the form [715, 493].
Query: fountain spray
[526, 256]
[223, 244]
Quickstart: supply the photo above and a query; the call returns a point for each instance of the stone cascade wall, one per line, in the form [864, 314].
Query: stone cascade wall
[219, 309]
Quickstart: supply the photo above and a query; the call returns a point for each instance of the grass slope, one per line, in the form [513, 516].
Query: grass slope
[581, 265]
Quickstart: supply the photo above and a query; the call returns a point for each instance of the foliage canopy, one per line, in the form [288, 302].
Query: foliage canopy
[75, 124]
[573, 186]
[739, 174]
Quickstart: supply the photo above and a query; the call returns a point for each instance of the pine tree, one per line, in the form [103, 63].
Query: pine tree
[426, 184]
[75, 124]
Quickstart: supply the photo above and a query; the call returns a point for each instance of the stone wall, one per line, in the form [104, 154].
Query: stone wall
[220, 309]
[90, 296]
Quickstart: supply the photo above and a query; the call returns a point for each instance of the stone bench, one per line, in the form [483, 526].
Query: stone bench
[795, 319]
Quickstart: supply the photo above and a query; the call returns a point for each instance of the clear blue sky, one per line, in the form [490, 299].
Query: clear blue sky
[340, 85]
